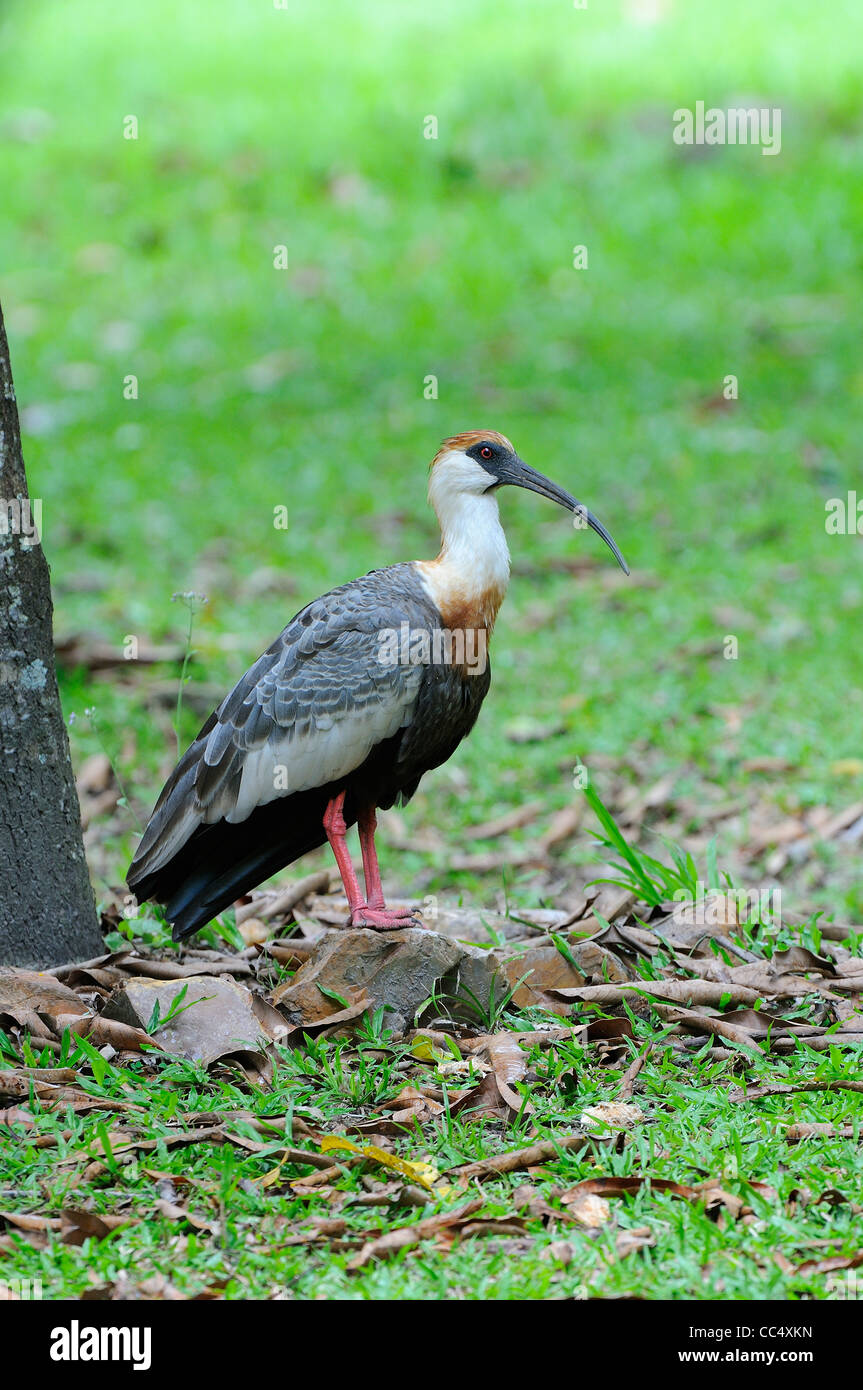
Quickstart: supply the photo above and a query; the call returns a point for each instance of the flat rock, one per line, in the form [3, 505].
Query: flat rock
[477, 985]
[399, 971]
[221, 1020]
[483, 980]
[396, 970]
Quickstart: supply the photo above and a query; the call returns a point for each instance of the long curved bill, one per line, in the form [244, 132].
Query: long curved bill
[525, 476]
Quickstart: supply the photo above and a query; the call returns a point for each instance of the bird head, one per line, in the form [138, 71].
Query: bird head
[481, 461]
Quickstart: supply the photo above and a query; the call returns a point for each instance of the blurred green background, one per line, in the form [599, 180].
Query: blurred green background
[408, 257]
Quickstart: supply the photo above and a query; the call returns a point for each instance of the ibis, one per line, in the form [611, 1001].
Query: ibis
[366, 689]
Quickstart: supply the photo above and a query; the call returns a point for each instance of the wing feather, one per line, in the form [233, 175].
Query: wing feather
[308, 712]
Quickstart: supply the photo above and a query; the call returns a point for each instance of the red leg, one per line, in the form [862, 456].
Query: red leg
[376, 913]
[367, 824]
[373, 913]
[334, 825]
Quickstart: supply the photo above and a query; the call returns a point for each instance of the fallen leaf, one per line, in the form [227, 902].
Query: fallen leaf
[509, 1064]
[173, 1211]
[589, 1209]
[78, 1226]
[622, 1186]
[29, 1221]
[212, 1016]
[36, 992]
[403, 1237]
[629, 1242]
[611, 1114]
[830, 1264]
[468, 1067]
[559, 1250]
[109, 1032]
[511, 1162]
[795, 1133]
[425, 1174]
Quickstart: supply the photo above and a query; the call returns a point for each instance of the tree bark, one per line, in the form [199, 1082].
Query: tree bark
[47, 911]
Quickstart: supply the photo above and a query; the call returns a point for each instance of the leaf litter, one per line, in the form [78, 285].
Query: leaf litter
[695, 975]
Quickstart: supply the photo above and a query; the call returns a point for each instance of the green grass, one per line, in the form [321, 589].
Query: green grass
[236, 1227]
[692, 1131]
[408, 257]
[260, 388]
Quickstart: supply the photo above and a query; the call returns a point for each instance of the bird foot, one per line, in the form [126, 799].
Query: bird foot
[383, 918]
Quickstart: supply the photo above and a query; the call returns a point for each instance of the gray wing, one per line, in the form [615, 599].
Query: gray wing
[308, 712]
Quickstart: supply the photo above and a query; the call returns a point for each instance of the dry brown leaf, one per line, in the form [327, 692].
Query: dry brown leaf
[564, 824]
[611, 1114]
[30, 1221]
[621, 1186]
[538, 976]
[589, 1210]
[789, 1088]
[359, 1005]
[509, 1064]
[698, 992]
[212, 964]
[30, 992]
[542, 1152]
[795, 1133]
[20, 1085]
[559, 1250]
[413, 1104]
[102, 1032]
[173, 1211]
[797, 960]
[527, 1199]
[609, 1030]
[78, 1226]
[485, 1226]
[833, 1262]
[627, 1081]
[693, 1022]
[716, 1198]
[403, 1237]
[45, 1034]
[629, 1242]
[17, 1115]
[545, 1037]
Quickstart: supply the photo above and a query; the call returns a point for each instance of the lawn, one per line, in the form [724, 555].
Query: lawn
[177, 388]
[221, 1218]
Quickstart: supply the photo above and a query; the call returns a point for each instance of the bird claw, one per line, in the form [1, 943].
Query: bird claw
[384, 918]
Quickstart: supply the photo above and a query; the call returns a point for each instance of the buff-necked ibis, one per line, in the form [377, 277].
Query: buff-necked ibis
[366, 689]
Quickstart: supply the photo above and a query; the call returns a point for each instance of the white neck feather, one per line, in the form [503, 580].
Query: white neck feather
[473, 544]
[474, 557]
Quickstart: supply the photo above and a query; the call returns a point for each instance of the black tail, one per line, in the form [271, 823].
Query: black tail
[221, 862]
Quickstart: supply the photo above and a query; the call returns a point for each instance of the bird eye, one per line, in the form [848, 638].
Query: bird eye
[486, 451]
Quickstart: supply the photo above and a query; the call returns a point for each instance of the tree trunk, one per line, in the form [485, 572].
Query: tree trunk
[47, 912]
